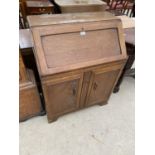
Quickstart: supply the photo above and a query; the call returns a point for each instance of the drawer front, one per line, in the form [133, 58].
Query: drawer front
[62, 95]
[39, 10]
[101, 84]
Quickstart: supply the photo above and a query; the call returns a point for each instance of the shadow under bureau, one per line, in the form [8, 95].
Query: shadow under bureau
[79, 58]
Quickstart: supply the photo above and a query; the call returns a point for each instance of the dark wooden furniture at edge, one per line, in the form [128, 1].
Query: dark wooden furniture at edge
[39, 7]
[130, 45]
[29, 100]
[79, 57]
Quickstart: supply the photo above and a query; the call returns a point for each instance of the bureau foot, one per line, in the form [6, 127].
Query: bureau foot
[104, 103]
[116, 89]
[52, 120]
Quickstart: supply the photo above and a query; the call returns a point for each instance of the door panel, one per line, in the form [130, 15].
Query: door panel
[63, 96]
[101, 86]
[74, 47]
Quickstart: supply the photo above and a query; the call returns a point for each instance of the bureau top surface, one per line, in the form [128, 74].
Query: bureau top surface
[41, 20]
[65, 44]
[38, 4]
[79, 2]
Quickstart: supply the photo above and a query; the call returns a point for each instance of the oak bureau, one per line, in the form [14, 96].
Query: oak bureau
[79, 57]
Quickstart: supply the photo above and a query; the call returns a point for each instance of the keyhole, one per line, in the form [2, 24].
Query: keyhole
[95, 86]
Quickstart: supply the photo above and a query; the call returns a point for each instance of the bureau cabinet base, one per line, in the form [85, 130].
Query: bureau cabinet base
[71, 91]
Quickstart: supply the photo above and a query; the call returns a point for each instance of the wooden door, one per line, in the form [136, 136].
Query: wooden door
[102, 84]
[62, 95]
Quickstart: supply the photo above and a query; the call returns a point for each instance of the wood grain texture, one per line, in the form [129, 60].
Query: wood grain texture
[68, 55]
